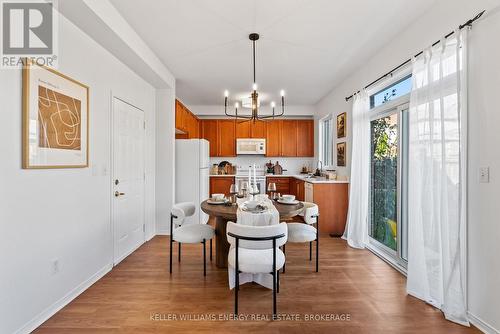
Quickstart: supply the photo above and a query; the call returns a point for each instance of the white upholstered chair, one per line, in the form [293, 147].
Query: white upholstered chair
[305, 232]
[255, 249]
[188, 233]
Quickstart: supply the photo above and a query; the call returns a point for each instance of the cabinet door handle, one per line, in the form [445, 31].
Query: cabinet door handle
[117, 194]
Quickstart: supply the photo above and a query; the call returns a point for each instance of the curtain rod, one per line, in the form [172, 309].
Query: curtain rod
[466, 24]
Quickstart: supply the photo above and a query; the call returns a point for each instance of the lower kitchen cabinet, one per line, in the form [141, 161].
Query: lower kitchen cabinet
[282, 184]
[221, 184]
[332, 200]
[299, 189]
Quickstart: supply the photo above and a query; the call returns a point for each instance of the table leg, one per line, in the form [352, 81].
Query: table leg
[221, 244]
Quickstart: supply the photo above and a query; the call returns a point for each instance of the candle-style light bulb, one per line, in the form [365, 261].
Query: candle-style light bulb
[273, 104]
[282, 93]
[236, 105]
[226, 93]
[254, 86]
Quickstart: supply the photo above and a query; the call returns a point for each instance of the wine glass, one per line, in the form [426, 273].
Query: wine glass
[233, 190]
[254, 190]
[271, 187]
[244, 188]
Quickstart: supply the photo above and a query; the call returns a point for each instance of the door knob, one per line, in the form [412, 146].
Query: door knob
[117, 193]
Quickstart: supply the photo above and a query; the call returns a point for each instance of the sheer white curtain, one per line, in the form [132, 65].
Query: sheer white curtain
[436, 189]
[356, 231]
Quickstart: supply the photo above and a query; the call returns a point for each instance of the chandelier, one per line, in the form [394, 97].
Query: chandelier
[254, 97]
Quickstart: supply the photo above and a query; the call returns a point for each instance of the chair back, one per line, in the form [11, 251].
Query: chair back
[257, 232]
[310, 212]
[181, 211]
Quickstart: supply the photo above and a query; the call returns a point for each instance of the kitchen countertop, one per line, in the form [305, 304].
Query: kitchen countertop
[297, 176]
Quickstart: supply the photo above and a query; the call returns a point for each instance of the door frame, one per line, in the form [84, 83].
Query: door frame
[115, 259]
[394, 257]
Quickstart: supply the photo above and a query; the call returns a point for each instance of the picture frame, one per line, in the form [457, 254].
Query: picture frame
[341, 154]
[55, 119]
[341, 125]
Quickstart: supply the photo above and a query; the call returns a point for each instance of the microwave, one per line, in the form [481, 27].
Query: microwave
[250, 146]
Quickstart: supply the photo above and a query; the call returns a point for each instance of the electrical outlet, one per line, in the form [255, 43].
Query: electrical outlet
[484, 174]
[55, 266]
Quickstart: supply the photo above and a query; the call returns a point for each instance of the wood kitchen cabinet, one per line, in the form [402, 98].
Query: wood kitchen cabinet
[250, 129]
[282, 184]
[243, 129]
[209, 131]
[221, 185]
[284, 138]
[332, 200]
[305, 138]
[297, 188]
[289, 138]
[227, 138]
[186, 122]
[258, 129]
[273, 139]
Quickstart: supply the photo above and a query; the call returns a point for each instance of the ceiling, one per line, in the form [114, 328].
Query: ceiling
[307, 47]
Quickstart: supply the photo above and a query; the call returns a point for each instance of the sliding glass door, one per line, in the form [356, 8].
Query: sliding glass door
[387, 223]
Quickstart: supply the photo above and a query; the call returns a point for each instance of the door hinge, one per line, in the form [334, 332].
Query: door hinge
[144, 125]
[143, 227]
[144, 176]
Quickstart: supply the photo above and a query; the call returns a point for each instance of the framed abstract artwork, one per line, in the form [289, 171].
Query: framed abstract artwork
[55, 119]
[341, 154]
[341, 125]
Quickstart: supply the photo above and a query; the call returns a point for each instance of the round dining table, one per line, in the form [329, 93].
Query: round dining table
[224, 213]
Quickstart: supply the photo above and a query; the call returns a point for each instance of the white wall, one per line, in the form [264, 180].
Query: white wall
[484, 139]
[62, 213]
[165, 155]
[484, 136]
[293, 166]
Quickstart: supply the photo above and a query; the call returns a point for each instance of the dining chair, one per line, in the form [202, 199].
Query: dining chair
[188, 233]
[255, 249]
[305, 232]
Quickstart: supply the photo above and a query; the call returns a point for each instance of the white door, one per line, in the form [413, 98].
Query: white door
[128, 179]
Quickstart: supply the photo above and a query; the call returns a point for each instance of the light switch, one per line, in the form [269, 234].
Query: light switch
[484, 174]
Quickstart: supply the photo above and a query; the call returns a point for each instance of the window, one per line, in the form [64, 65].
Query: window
[326, 141]
[392, 92]
[388, 229]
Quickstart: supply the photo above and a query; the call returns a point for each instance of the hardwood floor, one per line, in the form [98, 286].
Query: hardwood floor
[350, 282]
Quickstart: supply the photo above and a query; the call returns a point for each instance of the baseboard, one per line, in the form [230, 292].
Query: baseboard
[58, 305]
[481, 325]
[163, 232]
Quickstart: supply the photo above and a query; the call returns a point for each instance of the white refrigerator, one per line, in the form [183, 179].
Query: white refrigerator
[192, 175]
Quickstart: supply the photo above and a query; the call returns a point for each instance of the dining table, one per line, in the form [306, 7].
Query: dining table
[224, 213]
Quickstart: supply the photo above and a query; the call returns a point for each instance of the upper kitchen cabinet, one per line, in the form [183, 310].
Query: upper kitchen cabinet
[305, 138]
[227, 138]
[243, 129]
[273, 138]
[250, 129]
[209, 131]
[289, 138]
[186, 122]
[258, 129]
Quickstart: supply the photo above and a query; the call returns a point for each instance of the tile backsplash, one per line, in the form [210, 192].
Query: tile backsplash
[292, 165]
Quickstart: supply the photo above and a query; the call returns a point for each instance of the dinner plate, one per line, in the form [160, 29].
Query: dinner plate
[294, 202]
[257, 209]
[209, 201]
